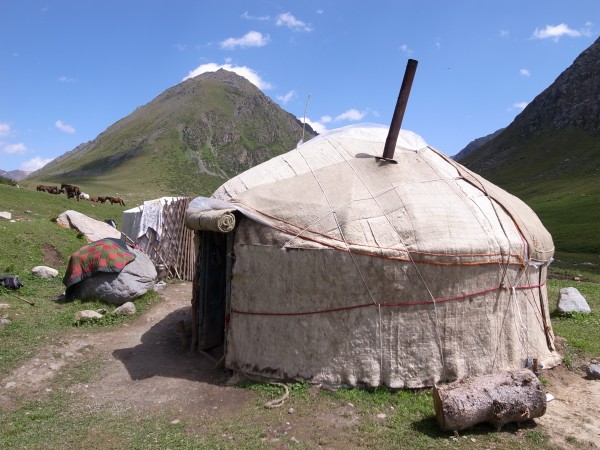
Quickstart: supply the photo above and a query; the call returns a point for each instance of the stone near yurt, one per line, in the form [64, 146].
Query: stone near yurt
[125, 309]
[87, 314]
[44, 272]
[343, 268]
[5, 215]
[593, 372]
[91, 229]
[570, 300]
[134, 280]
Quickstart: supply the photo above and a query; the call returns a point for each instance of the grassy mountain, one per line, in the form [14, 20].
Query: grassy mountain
[187, 141]
[550, 157]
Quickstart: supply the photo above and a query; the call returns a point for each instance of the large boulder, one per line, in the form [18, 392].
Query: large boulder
[91, 229]
[134, 280]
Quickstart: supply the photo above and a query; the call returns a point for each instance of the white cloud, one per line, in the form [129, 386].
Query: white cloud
[64, 127]
[242, 71]
[180, 47]
[555, 32]
[288, 20]
[4, 129]
[35, 163]
[250, 39]
[520, 105]
[504, 33]
[287, 97]
[65, 79]
[247, 16]
[13, 149]
[524, 72]
[326, 119]
[350, 115]
[319, 11]
[405, 49]
[318, 127]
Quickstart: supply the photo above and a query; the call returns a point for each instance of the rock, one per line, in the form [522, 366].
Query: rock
[4, 322]
[5, 215]
[593, 372]
[125, 309]
[44, 272]
[87, 314]
[92, 229]
[134, 280]
[9, 385]
[570, 300]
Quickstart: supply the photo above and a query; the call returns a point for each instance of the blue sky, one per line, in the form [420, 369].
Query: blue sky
[71, 68]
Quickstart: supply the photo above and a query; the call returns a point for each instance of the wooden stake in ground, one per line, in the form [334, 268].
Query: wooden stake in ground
[497, 399]
[25, 300]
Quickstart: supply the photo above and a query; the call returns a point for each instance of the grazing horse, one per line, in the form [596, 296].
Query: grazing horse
[114, 200]
[50, 189]
[71, 190]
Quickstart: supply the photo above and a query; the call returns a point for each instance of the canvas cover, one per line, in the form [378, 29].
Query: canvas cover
[352, 270]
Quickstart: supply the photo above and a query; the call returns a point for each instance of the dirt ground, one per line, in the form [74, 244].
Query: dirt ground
[144, 366]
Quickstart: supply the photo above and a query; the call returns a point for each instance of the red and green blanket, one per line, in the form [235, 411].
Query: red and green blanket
[105, 255]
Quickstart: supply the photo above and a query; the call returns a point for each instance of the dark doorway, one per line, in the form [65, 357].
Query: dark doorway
[212, 288]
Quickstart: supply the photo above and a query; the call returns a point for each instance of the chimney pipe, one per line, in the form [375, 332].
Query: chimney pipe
[392, 137]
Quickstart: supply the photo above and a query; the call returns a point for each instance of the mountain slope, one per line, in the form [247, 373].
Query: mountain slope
[476, 144]
[187, 141]
[550, 155]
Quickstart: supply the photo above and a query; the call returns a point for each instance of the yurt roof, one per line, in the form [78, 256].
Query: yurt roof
[332, 191]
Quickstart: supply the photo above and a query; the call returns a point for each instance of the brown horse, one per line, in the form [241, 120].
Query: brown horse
[71, 190]
[50, 189]
[114, 200]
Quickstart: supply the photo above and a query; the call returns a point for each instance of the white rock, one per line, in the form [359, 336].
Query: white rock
[127, 308]
[87, 314]
[571, 300]
[44, 272]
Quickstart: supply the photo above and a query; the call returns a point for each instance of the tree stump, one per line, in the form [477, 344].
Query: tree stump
[497, 399]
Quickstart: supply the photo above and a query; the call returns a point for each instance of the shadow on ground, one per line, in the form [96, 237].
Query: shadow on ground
[164, 351]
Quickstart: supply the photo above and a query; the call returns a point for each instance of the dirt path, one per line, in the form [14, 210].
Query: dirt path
[143, 367]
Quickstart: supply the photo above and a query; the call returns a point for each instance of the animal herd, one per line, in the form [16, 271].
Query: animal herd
[73, 191]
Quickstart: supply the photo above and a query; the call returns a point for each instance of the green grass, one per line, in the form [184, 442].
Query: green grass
[52, 424]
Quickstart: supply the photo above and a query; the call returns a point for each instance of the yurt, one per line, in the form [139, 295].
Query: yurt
[333, 265]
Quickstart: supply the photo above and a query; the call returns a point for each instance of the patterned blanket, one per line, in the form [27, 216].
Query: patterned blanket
[105, 255]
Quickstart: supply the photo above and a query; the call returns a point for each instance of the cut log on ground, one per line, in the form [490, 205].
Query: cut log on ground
[497, 399]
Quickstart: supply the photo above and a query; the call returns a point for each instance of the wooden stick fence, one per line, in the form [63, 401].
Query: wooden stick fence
[175, 249]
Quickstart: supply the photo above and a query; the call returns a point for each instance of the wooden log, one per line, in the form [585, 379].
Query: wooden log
[497, 399]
